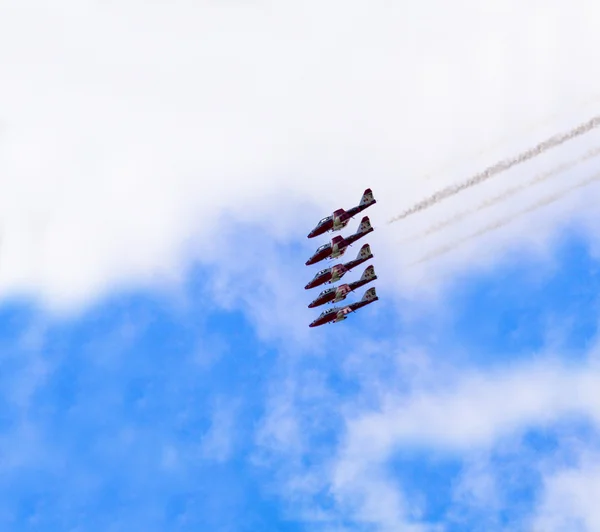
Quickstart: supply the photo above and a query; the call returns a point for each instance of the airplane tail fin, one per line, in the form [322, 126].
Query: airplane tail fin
[368, 274]
[370, 295]
[364, 253]
[365, 226]
[367, 198]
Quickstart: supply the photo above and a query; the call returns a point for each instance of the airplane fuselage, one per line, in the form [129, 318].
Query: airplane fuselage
[324, 297]
[327, 317]
[362, 282]
[357, 262]
[331, 275]
[331, 295]
[319, 280]
[328, 252]
[327, 224]
[357, 236]
[322, 227]
[333, 315]
[360, 304]
[320, 254]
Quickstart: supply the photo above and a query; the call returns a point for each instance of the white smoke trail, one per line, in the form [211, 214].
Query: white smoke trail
[457, 162]
[505, 221]
[499, 167]
[540, 178]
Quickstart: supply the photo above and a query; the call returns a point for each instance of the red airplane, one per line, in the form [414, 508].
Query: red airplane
[335, 295]
[335, 314]
[340, 218]
[338, 245]
[335, 273]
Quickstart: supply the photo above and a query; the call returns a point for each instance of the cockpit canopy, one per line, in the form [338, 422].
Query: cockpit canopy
[324, 246]
[327, 291]
[327, 312]
[322, 272]
[326, 219]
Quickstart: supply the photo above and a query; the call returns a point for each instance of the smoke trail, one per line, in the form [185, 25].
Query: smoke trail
[499, 167]
[505, 221]
[508, 193]
[503, 140]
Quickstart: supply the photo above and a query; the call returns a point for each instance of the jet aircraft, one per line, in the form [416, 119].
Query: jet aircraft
[334, 273]
[337, 294]
[335, 314]
[338, 245]
[340, 218]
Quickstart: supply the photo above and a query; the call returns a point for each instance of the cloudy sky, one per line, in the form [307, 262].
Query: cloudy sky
[161, 164]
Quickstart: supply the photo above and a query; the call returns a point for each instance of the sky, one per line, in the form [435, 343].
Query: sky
[160, 167]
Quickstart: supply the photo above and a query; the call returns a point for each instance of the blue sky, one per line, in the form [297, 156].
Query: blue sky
[156, 190]
[144, 413]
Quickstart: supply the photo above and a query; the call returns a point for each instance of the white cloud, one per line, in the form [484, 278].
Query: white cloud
[129, 130]
[218, 442]
[443, 412]
[469, 414]
[570, 498]
[258, 276]
[478, 488]
[477, 409]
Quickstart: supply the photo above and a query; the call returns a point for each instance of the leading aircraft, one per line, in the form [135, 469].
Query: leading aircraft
[336, 314]
[337, 294]
[338, 245]
[334, 273]
[340, 218]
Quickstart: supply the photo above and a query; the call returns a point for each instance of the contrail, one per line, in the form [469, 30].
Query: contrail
[505, 221]
[499, 167]
[508, 193]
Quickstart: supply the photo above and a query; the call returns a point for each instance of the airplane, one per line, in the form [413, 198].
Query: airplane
[338, 245]
[334, 273]
[340, 218]
[335, 295]
[336, 314]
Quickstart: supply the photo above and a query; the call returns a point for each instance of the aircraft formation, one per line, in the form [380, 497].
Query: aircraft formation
[334, 250]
